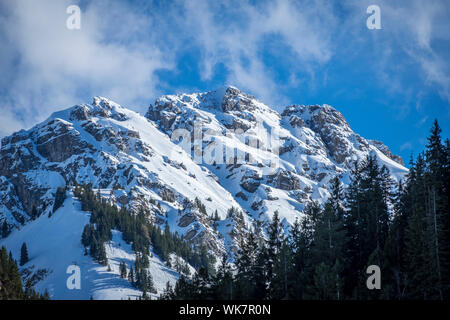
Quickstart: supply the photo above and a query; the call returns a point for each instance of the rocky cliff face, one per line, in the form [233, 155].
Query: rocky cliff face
[190, 156]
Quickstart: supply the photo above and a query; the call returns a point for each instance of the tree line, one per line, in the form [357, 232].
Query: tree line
[401, 227]
[137, 231]
[11, 287]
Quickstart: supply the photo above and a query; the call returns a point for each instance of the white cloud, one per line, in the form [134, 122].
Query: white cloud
[55, 67]
[412, 36]
[234, 34]
[422, 121]
[426, 22]
[120, 47]
[406, 146]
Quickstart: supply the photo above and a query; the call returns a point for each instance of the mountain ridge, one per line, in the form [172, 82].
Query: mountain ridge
[138, 164]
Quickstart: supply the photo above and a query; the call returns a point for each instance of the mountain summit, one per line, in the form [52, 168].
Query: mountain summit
[138, 160]
[190, 157]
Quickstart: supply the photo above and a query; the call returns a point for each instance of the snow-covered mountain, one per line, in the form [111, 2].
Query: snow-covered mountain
[223, 147]
[54, 245]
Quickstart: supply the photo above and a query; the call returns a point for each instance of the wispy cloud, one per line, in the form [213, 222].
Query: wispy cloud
[50, 66]
[235, 34]
[422, 121]
[406, 146]
[266, 47]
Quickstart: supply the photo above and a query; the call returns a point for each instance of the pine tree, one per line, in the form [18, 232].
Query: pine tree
[246, 266]
[131, 276]
[272, 250]
[282, 272]
[327, 244]
[168, 293]
[299, 246]
[201, 285]
[222, 284]
[324, 285]
[86, 235]
[123, 270]
[5, 229]
[11, 284]
[366, 223]
[396, 278]
[438, 206]
[34, 213]
[59, 198]
[101, 254]
[23, 254]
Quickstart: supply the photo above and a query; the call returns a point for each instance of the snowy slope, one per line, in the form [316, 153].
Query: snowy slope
[55, 243]
[139, 162]
[313, 144]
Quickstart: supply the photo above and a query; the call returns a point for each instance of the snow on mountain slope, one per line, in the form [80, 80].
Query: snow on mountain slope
[111, 148]
[223, 147]
[309, 145]
[55, 243]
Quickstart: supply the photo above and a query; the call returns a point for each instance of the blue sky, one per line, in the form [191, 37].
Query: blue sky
[389, 84]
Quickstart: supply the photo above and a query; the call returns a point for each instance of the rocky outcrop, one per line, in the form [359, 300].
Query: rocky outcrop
[138, 165]
[250, 181]
[235, 100]
[385, 150]
[285, 180]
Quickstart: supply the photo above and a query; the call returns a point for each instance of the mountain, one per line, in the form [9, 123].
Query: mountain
[190, 156]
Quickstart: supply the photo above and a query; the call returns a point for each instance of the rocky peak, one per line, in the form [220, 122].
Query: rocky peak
[101, 108]
[317, 116]
[386, 151]
[135, 162]
[236, 100]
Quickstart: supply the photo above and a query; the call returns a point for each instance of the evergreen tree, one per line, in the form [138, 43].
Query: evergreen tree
[271, 252]
[366, 223]
[5, 229]
[396, 279]
[131, 276]
[438, 206]
[168, 293]
[282, 272]
[59, 198]
[34, 213]
[222, 284]
[11, 284]
[327, 252]
[23, 254]
[246, 267]
[300, 241]
[201, 285]
[123, 270]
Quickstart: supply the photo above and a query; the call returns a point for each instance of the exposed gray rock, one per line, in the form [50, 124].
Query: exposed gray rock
[285, 180]
[385, 150]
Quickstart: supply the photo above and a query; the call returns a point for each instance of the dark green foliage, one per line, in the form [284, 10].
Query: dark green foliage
[201, 207]
[34, 212]
[131, 278]
[136, 230]
[5, 229]
[23, 254]
[424, 205]
[59, 198]
[123, 270]
[168, 293]
[10, 282]
[403, 228]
